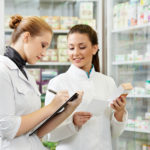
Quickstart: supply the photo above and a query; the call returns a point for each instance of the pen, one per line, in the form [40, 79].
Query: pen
[52, 91]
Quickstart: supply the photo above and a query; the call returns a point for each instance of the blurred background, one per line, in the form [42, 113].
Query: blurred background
[123, 28]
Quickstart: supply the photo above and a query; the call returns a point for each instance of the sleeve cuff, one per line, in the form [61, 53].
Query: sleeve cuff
[72, 127]
[16, 127]
[125, 118]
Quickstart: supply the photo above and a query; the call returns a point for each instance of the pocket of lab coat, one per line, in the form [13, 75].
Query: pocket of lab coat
[22, 90]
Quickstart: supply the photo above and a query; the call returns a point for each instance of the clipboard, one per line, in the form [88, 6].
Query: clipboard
[58, 111]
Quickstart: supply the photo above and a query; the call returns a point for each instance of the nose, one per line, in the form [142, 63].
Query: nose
[76, 51]
[43, 53]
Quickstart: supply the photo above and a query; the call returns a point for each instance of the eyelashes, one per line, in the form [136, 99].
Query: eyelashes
[43, 45]
[79, 48]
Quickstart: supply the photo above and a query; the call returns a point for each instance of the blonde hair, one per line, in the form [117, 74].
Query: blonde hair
[32, 24]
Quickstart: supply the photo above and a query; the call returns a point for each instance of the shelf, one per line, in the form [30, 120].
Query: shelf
[9, 31]
[138, 96]
[60, 31]
[69, 1]
[137, 130]
[51, 64]
[131, 28]
[143, 62]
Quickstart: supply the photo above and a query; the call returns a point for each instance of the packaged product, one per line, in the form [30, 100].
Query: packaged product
[90, 22]
[147, 86]
[86, 10]
[35, 73]
[67, 22]
[45, 58]
[49, 74]
[148, 13]
[51, 55]
[120, 58]
[62, 42]
[53, 21]
[122, 90]
[115, 17]
[62, 55]
[44, 88]
[133, 14]
[140, 12]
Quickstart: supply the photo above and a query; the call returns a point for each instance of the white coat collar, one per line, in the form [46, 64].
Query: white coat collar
[79, 73]
[9, 63]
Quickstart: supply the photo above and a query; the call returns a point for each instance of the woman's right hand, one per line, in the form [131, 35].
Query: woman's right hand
[80, 118]
[74, 104]
[60, 98]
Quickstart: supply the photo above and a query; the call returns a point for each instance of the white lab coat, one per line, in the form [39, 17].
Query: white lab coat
[18, 96]
[97, 133]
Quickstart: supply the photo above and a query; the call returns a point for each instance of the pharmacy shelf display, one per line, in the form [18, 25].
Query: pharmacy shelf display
[61, 15]
[128, 43]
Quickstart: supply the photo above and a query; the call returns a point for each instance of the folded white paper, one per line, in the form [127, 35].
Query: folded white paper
[97, 107]
[121, 90]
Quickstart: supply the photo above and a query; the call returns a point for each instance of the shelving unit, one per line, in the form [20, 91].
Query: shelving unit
[139, 96]
[51, 64]
[137, 130]
[128, 44]
[52, 8]
[142, 62]
[9, 31]
[131, 29]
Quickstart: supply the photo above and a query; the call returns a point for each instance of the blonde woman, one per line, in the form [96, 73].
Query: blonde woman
[20, 103]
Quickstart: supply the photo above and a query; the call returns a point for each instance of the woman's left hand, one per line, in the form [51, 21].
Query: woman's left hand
[119, 106]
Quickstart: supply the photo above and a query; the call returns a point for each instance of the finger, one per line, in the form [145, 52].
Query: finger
[117, 107]
[112, 106]
[85, 118]
[80, 93]
[84, 113]
[119, 102]
[123, 99]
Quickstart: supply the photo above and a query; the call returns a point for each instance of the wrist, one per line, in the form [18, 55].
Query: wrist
[122, 111]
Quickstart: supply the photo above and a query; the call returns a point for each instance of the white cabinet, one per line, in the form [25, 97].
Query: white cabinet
[128, 43]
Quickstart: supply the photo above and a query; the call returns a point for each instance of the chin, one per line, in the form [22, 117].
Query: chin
[78, 65]
[32, 62]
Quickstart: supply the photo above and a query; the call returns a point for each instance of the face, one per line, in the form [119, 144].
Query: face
[81, 50]
[35, 47]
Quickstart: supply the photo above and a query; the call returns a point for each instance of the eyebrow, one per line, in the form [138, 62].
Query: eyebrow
[78, 44]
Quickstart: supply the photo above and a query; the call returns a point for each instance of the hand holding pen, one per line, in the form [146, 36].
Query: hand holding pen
[77, 96]
[60, 97]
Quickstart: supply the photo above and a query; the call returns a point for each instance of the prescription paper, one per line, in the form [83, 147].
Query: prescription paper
[97, 107]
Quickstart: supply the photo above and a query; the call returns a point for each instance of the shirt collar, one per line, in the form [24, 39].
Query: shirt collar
[15, 57]
[79, 73]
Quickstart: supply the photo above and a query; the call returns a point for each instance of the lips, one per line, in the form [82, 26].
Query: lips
[77, 60]
[38, 57]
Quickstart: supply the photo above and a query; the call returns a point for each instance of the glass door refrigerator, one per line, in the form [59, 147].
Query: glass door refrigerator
[128, 60]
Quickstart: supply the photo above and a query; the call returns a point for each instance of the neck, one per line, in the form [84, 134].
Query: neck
[19, 49]
[87, 68]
